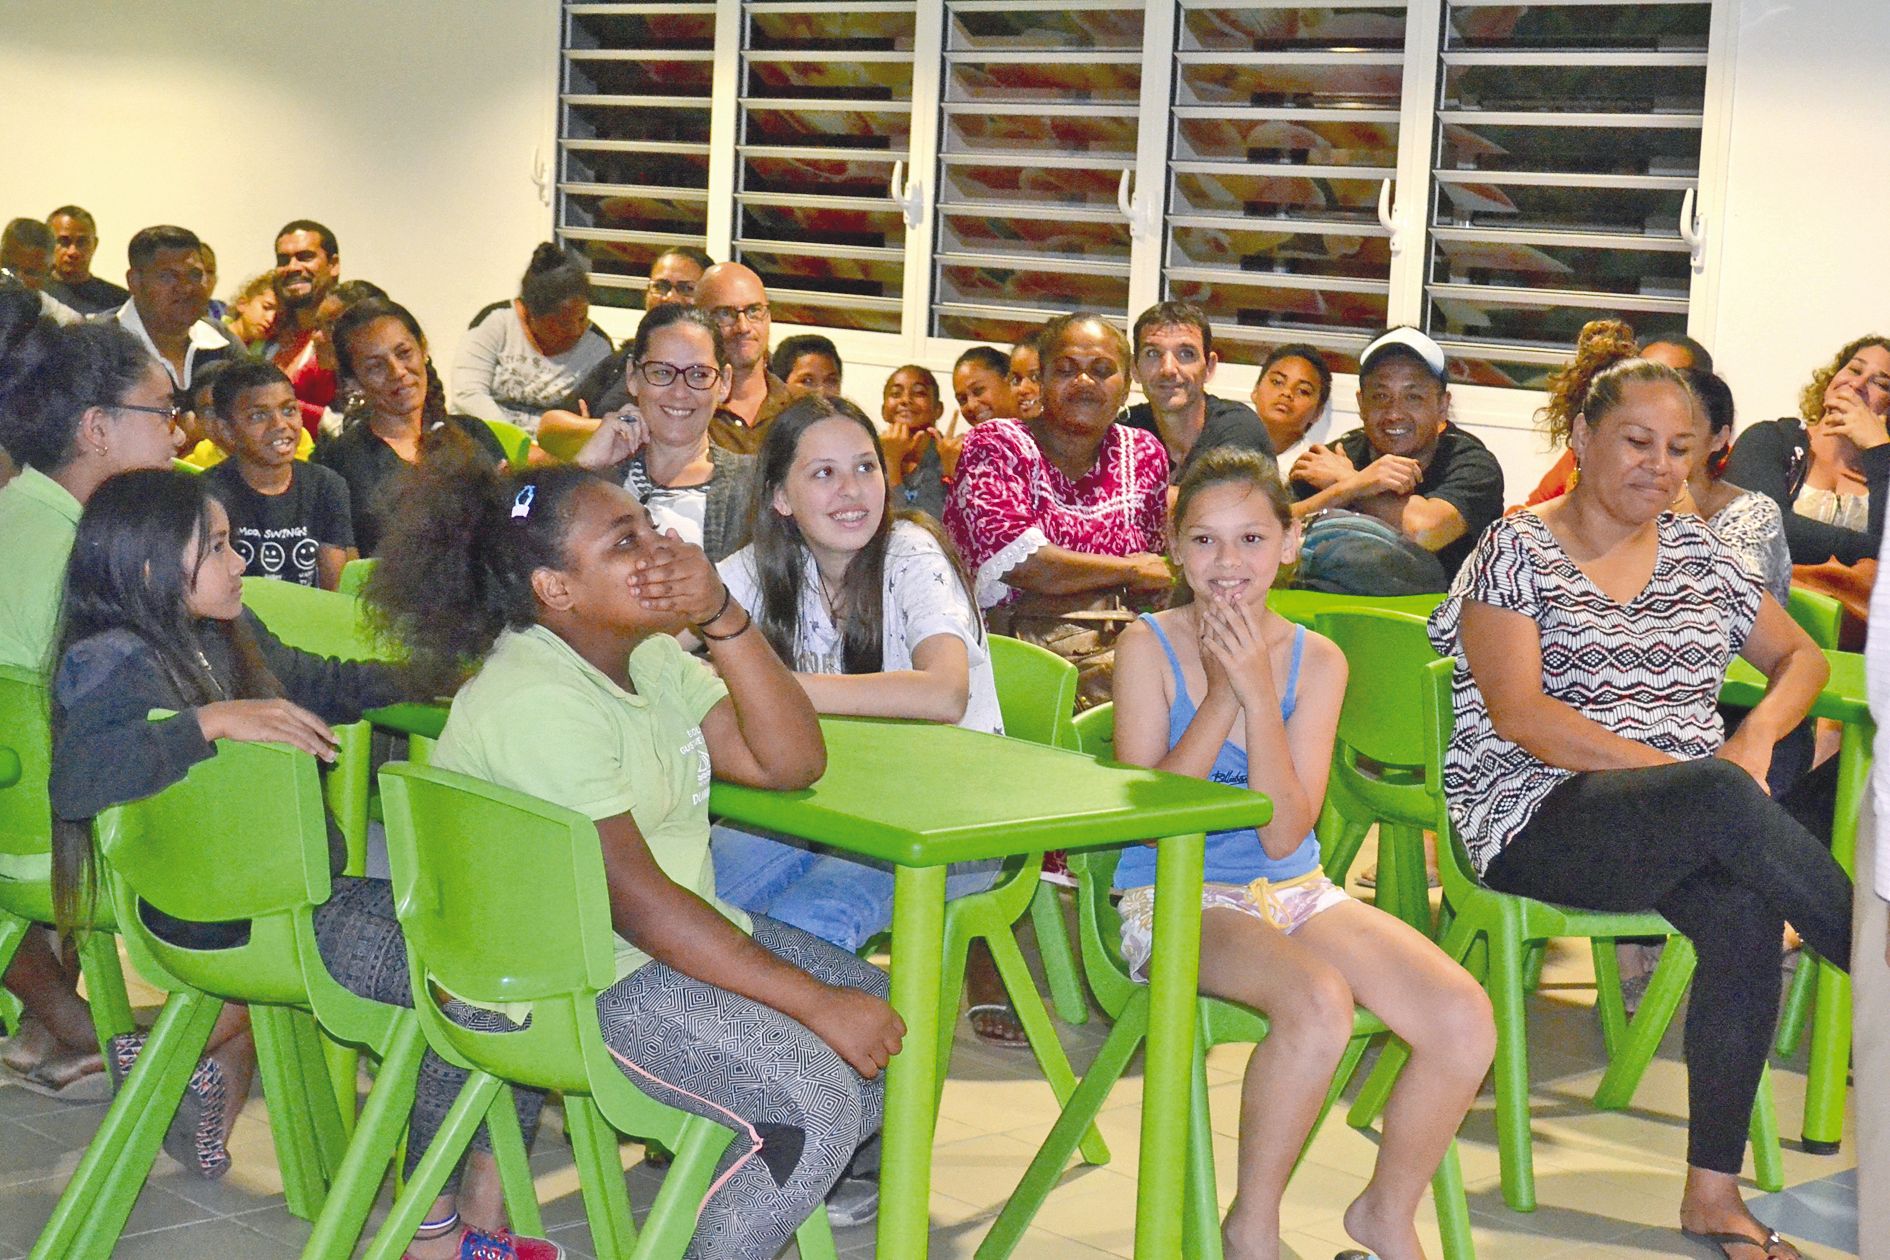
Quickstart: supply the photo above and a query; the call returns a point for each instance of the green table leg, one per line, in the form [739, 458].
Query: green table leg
[1174, 971]
[905, 1179]
[1831, 1021]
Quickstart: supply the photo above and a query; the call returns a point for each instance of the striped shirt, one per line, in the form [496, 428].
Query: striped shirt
[1648, 670]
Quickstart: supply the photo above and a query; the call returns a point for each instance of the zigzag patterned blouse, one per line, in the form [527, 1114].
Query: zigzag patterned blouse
[1649, 670]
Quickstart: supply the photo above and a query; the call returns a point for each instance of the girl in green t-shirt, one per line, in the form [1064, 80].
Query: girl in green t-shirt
[557, 584]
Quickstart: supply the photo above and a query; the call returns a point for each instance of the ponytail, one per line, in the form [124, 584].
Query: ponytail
[1602, 343]
[455, 568]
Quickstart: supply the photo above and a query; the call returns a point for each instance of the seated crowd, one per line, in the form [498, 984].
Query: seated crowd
[633, 568]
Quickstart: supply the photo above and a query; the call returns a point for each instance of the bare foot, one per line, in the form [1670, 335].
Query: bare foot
[1249, 1235]
[1387, 1235]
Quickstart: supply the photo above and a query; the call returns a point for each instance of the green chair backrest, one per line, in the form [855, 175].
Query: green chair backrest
[1036, 692]
[354, 575]
[241, 836]
[1096, 731]
[1817, 615]
[1437, 706]
[25, 729]
[502, 899]
[327, 623]
[1385, 652]
[517, 442]
[1303, 607]
[184, 465]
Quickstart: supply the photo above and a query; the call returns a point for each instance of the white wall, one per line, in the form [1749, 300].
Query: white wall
[1805, 242]
[409, 128]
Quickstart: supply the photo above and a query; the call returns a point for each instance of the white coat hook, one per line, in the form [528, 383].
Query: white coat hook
[1388, 217]
[1693, 230]
[541, 176]
[1127, 204]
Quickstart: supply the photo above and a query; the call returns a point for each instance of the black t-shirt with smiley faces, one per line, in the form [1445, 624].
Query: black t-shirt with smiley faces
[281, 535]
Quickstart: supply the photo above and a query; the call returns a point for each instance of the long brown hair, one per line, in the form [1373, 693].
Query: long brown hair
[781, 551]
[1226, 466]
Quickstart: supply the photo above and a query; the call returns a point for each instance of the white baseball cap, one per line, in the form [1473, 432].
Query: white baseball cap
[1412, 340]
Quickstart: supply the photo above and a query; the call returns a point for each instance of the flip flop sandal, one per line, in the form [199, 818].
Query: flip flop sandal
[997, 1008]
[1724, 1243]
[1355, 1254]
[199, 1131]
[78, 1076]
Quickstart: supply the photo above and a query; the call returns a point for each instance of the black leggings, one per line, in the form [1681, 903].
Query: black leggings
[1698, 842]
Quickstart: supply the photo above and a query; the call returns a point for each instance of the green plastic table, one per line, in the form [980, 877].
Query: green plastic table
[1844, 701]
[919, 796]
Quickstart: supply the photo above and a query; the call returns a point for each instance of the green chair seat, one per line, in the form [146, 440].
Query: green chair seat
[1218, 1023]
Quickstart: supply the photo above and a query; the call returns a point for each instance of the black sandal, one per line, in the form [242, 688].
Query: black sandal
[1724, 1243]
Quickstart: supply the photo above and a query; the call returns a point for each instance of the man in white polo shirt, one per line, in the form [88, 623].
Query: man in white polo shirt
[169, 302]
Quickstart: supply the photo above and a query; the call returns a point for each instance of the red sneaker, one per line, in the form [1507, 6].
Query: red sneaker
[476, 1244]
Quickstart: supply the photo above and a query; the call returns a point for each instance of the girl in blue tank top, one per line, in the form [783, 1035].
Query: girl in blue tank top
[1220, 687]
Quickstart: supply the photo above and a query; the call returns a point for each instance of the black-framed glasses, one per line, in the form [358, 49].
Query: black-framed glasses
[173, 413]
[696, 376]
[727, 316]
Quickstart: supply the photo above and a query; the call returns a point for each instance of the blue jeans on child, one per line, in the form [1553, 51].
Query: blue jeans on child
[843, 901]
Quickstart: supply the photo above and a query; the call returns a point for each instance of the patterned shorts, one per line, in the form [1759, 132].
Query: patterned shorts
[1286, 905]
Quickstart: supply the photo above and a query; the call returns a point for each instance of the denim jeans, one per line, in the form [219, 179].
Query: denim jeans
[843, 901]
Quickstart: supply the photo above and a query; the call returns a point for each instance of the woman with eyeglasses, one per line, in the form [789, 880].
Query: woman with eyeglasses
[401, 417]
[658, 447]
[78, 406]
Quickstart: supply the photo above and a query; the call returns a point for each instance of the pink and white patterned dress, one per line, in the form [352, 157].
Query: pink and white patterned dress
[1007, 500]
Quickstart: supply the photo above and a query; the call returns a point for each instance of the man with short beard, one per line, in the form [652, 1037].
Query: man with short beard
[75, 240]
[308, 266]
[732, 295]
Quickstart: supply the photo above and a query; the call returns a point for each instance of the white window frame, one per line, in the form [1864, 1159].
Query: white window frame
[1474, 405]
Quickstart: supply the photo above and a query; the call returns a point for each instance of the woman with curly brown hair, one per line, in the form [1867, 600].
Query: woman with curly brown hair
[1828, 468]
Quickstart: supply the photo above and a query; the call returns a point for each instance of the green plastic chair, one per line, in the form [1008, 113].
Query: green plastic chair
[454, 842]
[184, 465]
[242, 837]
[1822, 618]
[517, 442]
[1381, 722]
[26, 847]
[1490, 933]
[354, 576]
[1037, 697]
[1218, 1023]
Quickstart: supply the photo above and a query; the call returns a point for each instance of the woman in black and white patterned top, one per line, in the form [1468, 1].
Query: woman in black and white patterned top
[1589, 768]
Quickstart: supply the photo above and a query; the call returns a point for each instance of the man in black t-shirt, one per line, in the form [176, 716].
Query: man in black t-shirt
[288, 519]
[75, 240]
[1174, 357]
[1407, 466]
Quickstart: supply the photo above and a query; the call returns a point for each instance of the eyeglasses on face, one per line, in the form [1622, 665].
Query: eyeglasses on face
[664, 288]
[696, 376]
[173, 413]
[728, 316]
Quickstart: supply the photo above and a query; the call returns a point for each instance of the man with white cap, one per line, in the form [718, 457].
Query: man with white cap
[1407, 466]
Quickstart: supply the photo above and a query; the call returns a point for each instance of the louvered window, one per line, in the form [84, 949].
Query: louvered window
[825, 127]
[1037, 144]
[1283, 146]
[1566, 158]
[633, 163]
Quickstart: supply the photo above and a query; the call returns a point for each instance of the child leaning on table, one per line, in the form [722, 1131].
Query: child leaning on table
[1219, 686]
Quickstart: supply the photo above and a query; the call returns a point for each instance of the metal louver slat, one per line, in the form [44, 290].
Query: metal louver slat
[1565, 155]
[824, 119]
[633, 129]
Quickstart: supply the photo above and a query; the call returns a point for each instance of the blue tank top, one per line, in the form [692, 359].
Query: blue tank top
[1233, 857]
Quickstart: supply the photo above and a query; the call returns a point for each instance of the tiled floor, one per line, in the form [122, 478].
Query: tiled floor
[1608, 1184]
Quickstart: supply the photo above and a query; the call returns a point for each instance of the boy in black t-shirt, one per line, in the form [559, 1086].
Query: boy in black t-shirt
[288, 519]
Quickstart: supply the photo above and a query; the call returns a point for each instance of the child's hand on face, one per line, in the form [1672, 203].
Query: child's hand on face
[1232, 634]
[674, 576]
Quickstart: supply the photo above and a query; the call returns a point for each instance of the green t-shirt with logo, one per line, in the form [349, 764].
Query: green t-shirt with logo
[540, 719]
